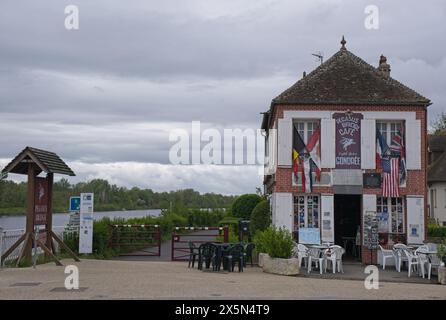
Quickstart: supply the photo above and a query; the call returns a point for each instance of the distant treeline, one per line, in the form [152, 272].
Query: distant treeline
[110, 197]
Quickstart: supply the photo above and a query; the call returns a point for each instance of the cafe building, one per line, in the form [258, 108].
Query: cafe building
[345, 157]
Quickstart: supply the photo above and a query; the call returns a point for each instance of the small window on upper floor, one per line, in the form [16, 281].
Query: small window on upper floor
[306, 128]
[389, 129]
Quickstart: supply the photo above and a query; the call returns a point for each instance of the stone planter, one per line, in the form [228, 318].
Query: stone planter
[287, 267]
[442, 275]
[261, 258]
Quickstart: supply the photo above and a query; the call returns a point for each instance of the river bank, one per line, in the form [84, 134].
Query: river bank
[9, 222]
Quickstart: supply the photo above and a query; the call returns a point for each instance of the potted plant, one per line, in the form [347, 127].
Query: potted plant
[441, 252]
[275, 251]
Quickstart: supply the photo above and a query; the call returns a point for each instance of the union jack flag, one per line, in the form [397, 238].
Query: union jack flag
[397, 149]
[391, 183]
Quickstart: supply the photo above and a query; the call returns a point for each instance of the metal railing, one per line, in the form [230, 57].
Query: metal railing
[9, 237]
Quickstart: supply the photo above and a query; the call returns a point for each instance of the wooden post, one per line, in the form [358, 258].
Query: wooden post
[27, 245]
[49, 215]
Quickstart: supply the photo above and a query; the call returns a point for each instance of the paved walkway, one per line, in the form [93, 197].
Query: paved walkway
[166, 247]
[101, 279]
[355, 271]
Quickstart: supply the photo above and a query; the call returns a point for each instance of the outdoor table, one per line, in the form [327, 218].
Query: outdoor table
[320, 247]
[222, 249]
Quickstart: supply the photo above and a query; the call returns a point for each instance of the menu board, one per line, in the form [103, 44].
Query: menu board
[309, 236]
[370, 230]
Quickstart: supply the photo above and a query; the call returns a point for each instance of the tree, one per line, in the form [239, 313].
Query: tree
[260, 217]
[439, 124]
[243, 205]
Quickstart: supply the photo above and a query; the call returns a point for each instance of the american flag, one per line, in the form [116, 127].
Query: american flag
[391, 181]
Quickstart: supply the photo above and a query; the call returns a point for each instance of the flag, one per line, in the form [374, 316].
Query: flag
[313, 147]
[298, 149]
[307, 182]
[391, 181]
[397, 148]
[382, 149]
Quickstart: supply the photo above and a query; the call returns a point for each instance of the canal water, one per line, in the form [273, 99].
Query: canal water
[61, 219]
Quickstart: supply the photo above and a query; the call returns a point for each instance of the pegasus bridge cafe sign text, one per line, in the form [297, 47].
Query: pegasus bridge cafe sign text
[348, 140]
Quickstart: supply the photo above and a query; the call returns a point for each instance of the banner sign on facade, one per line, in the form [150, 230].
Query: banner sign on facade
[40, 201]
[348, 140]
[86, 223]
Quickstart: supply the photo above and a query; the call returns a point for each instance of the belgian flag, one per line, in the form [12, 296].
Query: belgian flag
[298, 149]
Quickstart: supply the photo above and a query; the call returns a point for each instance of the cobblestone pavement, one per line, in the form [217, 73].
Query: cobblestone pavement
[173, 280]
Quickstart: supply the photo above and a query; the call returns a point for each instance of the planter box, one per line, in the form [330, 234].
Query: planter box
[261, 258]
[287, 267]
[442, 275]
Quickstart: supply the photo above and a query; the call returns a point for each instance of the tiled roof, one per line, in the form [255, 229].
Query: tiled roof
[347, 79]
[45, 160]
[437, 143]
[437, 171]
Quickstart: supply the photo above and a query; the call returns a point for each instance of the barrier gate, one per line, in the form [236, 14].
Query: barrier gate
[136, 240]
[197, 235]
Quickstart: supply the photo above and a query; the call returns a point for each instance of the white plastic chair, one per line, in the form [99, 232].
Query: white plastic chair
[435, 262]
[432, 246]
[315, 257]
[412, 260]
[302, 254]
[400, 255]
[334, 256]
[424, 263]
[388, 254]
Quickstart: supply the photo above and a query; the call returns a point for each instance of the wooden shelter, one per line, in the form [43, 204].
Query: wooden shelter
[32, 162]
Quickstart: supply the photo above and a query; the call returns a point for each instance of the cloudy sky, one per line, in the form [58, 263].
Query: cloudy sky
[105, 97]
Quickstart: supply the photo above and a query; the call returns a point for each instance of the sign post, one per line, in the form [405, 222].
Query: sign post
[86, 223]
[75, 204]
[39, 211]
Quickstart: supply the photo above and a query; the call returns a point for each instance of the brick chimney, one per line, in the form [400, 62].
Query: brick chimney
[383, 67]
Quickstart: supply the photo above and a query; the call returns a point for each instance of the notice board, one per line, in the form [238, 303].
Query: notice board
[370, 230]
[309, 236]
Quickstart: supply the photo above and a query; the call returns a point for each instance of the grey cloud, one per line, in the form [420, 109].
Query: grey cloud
[111, 91]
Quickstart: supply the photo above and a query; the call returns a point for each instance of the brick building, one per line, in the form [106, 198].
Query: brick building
[436, 178]
[349, 103]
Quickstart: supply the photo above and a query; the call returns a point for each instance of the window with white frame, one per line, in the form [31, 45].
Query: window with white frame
[395, 209]
[306, 129]
[389, 129]
[306, 211]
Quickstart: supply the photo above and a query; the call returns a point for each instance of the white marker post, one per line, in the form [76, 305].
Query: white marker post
[86, 223]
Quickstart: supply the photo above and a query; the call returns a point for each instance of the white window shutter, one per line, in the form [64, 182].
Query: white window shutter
[328, 136]
[327, 213]
[413, 145]
[415, 219]
[284, 142]
[368, 202]
[283, 210]
[273, 153]
[368, 144]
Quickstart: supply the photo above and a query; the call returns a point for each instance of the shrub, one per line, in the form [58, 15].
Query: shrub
[434, 230]
[243, 206]
[277, 243]
[260, 217]
[441, 250]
